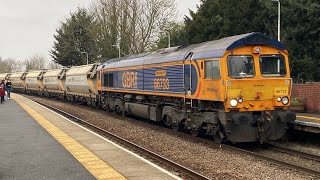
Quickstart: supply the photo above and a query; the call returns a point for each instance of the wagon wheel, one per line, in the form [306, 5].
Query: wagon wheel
[175, 126]
[107, 109]
[118, 110]
[167, 120]
[218, 137]
[123, 113]
[195, 132]
[93, 104]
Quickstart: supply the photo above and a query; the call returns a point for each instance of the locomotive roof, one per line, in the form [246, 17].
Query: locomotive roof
[209, 49]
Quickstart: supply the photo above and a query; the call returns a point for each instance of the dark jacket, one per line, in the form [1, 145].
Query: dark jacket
[8, 85]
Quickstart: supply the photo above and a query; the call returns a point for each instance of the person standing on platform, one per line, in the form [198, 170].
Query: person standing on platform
[2, 92]
[8, 88]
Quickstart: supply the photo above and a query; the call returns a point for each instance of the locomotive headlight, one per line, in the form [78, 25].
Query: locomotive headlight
[285, 100]
[240, 100]
[278, 99]
[257, 50]
[233, 102]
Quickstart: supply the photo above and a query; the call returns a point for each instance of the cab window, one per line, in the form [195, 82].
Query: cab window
[272, 65]
[212, 69]
[108, 80]
[240, 66]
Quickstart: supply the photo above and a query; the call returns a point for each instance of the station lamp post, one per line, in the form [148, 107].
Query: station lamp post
[278, 18]
[119, 50]
[87, 55]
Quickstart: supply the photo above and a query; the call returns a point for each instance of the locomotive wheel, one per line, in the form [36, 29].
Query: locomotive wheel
[107, 109]
[93, 104]
[123, 113]
[167, 120]
[175, 126]
[218, 137]
[118, 110]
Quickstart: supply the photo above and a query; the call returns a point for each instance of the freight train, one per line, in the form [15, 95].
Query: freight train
[236, 88]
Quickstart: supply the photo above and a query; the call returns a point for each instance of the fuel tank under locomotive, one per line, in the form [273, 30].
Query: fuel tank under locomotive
[145, 111]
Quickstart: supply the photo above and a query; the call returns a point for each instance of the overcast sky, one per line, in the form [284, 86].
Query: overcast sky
[27, 26]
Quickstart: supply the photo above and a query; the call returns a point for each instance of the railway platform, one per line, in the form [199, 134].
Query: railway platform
[309, 122]
[37, 143]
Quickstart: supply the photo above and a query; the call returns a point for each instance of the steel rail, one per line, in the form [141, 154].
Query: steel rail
[179, 168]
[275, 161]
[302, 154]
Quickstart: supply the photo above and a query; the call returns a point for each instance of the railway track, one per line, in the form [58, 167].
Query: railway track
[279, 161]
[294, 152]
[184, 172]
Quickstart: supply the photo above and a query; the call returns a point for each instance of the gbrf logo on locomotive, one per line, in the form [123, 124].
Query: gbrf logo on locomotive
[130, 80]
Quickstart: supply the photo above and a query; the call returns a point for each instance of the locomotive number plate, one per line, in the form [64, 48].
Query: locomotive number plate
[280, 91]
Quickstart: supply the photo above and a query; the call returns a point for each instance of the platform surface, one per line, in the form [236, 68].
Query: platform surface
[27, 151]
[312, 119]
[309, 122]
[88, 154]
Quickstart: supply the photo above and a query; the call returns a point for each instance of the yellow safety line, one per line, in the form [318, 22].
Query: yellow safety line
[97, 167]
[308, 117]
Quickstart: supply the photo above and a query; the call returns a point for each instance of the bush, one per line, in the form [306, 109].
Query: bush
[296, 101]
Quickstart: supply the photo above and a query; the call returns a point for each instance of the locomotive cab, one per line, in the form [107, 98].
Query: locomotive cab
[257, 93]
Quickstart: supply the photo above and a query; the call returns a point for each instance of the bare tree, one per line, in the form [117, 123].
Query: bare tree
[36, 61]
[132, 24]
[53, 65]
[10, 65]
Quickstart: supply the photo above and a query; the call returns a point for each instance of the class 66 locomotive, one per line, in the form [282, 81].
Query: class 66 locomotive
[236, 88]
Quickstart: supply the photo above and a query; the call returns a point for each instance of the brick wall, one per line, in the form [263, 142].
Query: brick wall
[309, 91]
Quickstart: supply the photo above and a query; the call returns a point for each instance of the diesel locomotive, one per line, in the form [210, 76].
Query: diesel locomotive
[236, 88]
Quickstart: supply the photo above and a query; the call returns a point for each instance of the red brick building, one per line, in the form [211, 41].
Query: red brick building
[311, 92]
